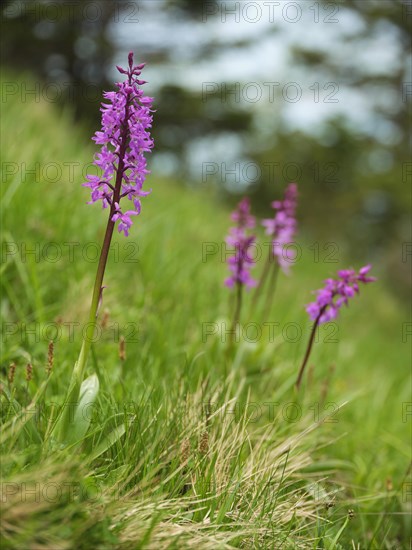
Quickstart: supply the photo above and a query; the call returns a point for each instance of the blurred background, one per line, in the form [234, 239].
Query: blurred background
[250, 96]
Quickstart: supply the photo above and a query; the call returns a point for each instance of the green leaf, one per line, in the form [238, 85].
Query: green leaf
[83, 413]
[108, 441]
[334, 542]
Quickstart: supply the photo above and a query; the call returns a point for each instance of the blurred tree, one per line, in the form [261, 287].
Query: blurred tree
[64, 43]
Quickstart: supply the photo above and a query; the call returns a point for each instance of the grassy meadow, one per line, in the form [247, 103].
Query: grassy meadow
[191, 443]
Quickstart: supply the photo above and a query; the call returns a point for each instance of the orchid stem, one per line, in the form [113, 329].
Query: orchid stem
[80, 365]
[271, 291]
[309, 347]
[262, 280]
[238, 308]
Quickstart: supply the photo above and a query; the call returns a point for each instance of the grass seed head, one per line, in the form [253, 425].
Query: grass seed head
[204, 443]
[29, 372]
[50, 357]
[12, 372]
[122, 349]
[185, 451]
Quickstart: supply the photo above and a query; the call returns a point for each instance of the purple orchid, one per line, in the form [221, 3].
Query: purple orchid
[282, 227]
[125, 138]
[330, 299]
[337, 292]
[241, 262]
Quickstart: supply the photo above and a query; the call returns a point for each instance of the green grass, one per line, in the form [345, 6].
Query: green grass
[189, 446]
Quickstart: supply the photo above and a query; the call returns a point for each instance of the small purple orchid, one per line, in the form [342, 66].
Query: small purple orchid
[241, 262]
[282, 227]
[329, 300]
[125, 138]
[336, 292]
